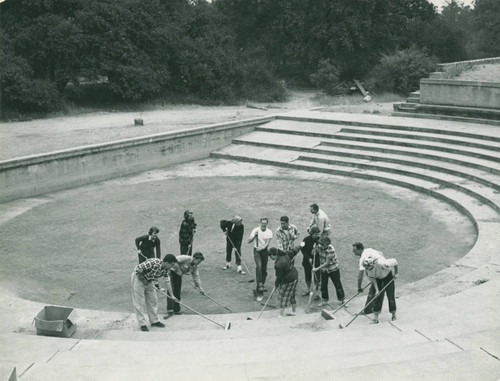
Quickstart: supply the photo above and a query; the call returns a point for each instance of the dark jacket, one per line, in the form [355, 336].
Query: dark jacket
[307, 251]
[147, 246]
[234, 232]
[284, 268]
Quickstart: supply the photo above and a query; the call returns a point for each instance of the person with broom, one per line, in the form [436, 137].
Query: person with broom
[329, 267]
[382, 272]
[308, 258]
[287, 277]
[186, 233]
[144, 296]
[261, 236]
[186, 264]
[233, 230]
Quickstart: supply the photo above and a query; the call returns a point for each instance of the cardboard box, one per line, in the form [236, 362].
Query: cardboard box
[56, 321]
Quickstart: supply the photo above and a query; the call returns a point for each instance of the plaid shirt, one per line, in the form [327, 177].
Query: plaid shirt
[327, 255]
[286, 238]
[151, 269]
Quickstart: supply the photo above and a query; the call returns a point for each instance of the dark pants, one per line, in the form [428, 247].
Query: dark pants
[308, 274]
[229, 250]
[186, 248]
[391, 294]
[176, 283]
[371, 295]
[261, 258]
[335, 277]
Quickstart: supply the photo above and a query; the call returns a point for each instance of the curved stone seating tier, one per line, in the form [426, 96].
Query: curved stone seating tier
[448, 323]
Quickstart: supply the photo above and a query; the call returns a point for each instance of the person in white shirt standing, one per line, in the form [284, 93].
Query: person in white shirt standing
[319, 219]
[261, 236]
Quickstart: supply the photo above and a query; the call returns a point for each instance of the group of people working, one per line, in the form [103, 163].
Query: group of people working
[320, 264]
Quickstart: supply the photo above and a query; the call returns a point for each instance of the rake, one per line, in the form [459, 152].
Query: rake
[370, 302]
[209, 297]
[226, 327]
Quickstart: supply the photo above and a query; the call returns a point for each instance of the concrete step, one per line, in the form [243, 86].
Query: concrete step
[319, 142]
[413, 99]
[456, 366]
[455, 118]
[381, 121]
[479, 176]
[411, 107]
[486, 154]
[482, 193]
[105, 358]
[325, 129]
[427, 136]
[474, 112]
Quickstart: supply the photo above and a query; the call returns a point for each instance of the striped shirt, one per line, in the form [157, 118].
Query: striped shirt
[327, 255]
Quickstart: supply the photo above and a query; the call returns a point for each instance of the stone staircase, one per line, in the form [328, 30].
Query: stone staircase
[448, 325]
[410, 105]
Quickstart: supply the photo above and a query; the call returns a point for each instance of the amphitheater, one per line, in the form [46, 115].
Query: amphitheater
[450, 330]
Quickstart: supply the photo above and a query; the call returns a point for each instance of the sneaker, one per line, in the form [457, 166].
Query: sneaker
[144, 328]
[240, 271]
[226, 267]
[158, 324]
[291, 314]
[374, 321]
[167, 316]
[178, 313]
[394, 317]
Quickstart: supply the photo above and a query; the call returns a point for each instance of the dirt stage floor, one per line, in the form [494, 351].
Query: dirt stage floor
[76, 247]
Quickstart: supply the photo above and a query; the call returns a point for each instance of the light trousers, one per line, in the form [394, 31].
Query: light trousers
[145, 301]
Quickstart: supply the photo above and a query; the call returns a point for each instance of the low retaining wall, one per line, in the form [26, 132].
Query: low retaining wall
[460, 93]
[464, 65]
[38, 174]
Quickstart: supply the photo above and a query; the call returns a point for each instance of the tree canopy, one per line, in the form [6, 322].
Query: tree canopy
[219, 51]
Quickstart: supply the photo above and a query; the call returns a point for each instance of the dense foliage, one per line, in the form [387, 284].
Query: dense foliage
[55, 51]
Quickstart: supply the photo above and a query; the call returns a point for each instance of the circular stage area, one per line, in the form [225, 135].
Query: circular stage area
[76, 248]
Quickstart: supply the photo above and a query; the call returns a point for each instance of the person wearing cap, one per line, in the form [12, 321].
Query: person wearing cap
[286, 277]
[144, 296]
[329, 267]
[186, 264]
[286, 234]
[359, 250]
[308, 258]
[233, 230]
[261, 236]
[382, 272]
[319, 219]
[186, 233]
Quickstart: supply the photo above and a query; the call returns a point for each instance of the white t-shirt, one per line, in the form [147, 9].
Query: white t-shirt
[369, 253]
[262, 236]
